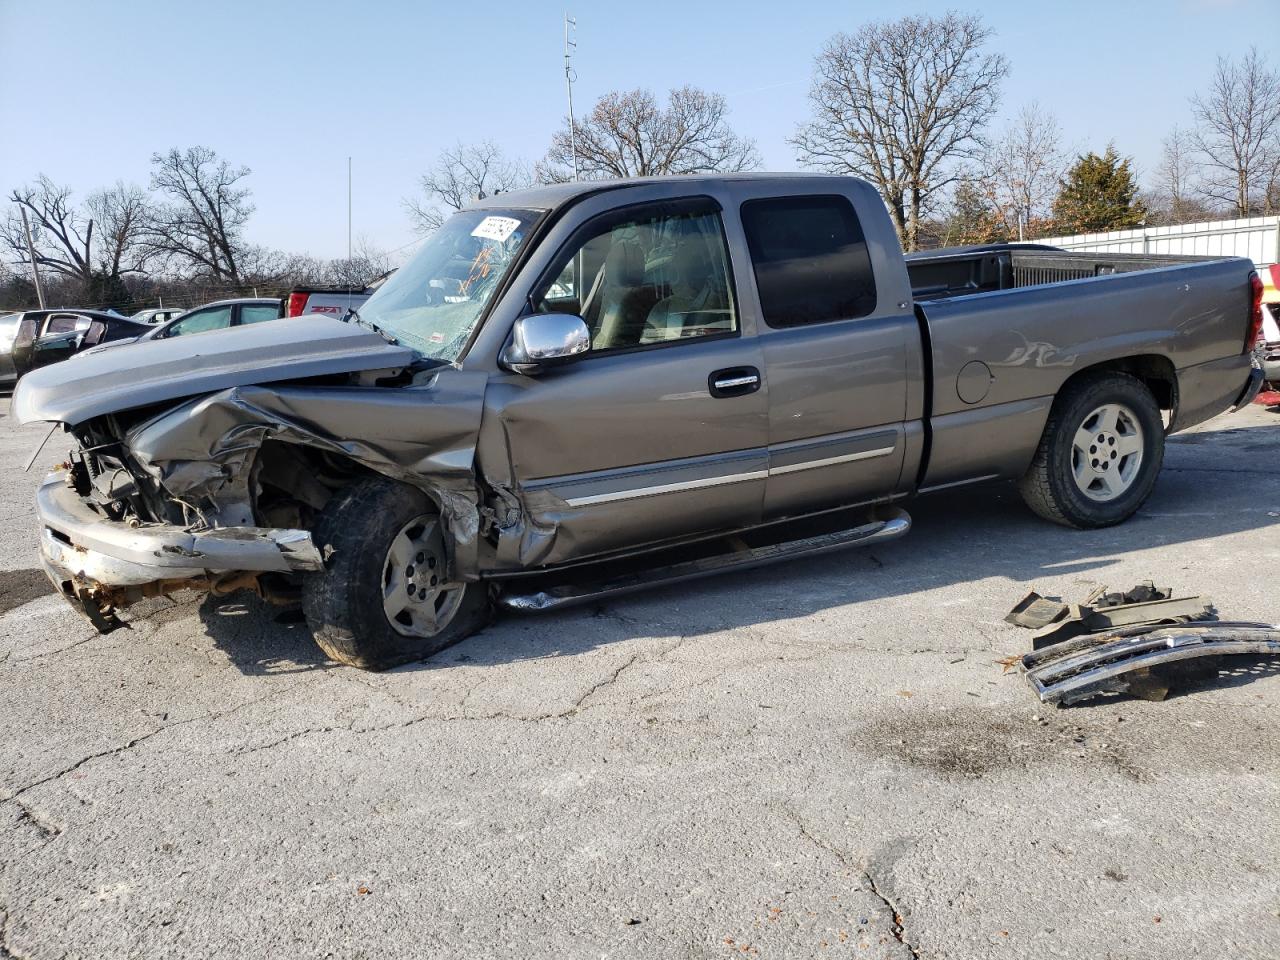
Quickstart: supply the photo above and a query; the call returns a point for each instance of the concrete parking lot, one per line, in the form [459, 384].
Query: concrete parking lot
[819, 759]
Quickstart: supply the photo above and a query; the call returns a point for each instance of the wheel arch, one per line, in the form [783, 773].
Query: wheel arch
[326, 473]
[1156, 372]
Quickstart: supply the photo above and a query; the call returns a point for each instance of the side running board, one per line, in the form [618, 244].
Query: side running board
[891, 524]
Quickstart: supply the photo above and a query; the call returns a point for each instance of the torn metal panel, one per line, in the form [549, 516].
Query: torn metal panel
[1090, 666]
[424, 435]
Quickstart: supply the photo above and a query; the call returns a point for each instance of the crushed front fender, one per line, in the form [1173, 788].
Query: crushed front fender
[424, 435]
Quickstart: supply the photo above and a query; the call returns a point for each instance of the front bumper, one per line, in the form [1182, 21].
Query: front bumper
[83, 550]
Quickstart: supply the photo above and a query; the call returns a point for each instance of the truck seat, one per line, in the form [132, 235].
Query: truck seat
[698, 304]
[622, 299]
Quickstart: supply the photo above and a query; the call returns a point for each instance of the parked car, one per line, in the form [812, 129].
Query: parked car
[157, 314]
[332, 301]
[218, 315]
[581, 389]
[33, 338]
[8, 331]
[1271, 324]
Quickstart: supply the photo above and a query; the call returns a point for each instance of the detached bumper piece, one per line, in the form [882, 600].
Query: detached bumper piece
[102, 565]
[1129, 658]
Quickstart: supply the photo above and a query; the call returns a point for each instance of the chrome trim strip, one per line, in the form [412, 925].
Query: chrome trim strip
[636, 492]
[828, 461]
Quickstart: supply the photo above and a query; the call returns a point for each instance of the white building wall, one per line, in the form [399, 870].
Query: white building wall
[1257, 238]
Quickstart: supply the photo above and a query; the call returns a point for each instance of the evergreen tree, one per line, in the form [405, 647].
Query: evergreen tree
[973, 218]
[1099, 193]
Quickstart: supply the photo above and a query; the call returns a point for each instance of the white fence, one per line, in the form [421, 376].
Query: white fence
[1257, 238]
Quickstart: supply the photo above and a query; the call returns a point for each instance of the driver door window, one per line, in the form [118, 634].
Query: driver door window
[645, 277]
[215, 318]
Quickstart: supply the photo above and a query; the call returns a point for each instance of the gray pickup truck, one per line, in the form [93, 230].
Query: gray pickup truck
[581, 389]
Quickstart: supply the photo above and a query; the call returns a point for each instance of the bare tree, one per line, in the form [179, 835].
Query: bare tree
[629, 134]
[122, 214]
[60, 232]
[365, 265]
[1021, 170]
[901, 103]
[1176, 193]
[460, 175]
[199, 226]
[1238, 132]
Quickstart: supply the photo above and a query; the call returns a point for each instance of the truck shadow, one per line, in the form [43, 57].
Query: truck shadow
[1215, 484]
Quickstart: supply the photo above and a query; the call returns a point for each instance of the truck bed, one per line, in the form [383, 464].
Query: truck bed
[1004, 327]
[962, 271]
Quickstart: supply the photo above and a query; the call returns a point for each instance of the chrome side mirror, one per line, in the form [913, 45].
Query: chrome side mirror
[542, 340]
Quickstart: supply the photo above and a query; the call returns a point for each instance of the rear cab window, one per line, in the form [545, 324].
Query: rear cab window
[810, 259]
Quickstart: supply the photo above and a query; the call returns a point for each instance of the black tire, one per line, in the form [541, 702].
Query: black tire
[1049, 486]
[344, 604]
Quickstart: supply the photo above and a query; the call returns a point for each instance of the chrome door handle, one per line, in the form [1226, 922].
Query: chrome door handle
[734, 382]
[731, 382]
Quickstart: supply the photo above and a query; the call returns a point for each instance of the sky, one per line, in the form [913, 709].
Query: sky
[90, 89]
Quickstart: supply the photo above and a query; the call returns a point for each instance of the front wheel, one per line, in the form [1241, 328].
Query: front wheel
[383, 599]
[1099, 455]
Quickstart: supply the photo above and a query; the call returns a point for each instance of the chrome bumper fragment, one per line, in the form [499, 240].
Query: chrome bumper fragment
[80, 547]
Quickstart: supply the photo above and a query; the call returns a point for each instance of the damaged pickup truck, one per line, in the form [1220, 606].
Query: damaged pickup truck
[581, 389]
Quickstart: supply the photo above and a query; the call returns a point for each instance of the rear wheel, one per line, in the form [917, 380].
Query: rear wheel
[1099, 455]
[383, 598]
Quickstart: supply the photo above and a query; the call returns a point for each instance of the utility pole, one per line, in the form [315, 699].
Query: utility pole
[31, 252]
[569, 77]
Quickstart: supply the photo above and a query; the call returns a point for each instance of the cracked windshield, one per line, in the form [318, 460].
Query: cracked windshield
[433, 303]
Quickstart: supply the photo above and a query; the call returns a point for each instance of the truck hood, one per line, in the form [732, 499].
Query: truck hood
[152, 371]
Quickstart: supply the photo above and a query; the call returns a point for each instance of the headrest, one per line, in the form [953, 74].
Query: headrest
[624, 267]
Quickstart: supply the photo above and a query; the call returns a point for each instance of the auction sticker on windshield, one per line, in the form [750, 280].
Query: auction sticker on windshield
[496, 228]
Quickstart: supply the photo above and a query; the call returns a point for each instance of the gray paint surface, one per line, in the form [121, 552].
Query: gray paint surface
[624, 450]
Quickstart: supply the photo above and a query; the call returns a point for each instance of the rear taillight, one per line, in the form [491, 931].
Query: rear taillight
[1254, 336]
[1275, 275]
[298, 302]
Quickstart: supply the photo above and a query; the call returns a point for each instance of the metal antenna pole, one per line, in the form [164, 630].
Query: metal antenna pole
[569, 77]
[349, 264]
[31, 252]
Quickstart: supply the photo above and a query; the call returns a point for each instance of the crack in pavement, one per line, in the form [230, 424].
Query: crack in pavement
[897, 926]
[211, 715]
[607, 681]
[898, 929]
[54, 653]
[46, 825]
